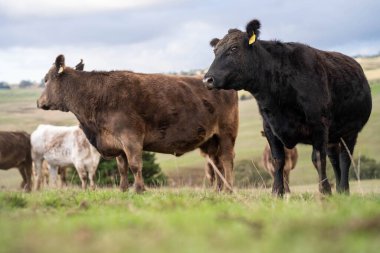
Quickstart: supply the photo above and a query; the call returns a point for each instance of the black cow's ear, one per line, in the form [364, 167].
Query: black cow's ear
[80, 66]
[253, 31]
[214, 41]
[60, 63]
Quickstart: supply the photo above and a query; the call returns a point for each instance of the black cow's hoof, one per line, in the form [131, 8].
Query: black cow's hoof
[278, 192]
[325, 188]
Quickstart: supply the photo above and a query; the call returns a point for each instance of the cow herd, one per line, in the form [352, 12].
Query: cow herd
[304, 95]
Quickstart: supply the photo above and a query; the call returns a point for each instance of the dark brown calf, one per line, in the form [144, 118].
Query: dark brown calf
[123, 113]
[15, 152]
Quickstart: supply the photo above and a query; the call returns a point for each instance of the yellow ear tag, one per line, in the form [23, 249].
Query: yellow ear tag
[252, 39]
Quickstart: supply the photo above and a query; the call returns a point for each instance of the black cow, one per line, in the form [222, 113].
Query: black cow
[304, 95]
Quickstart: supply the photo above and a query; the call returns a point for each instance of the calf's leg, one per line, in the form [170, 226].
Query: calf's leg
[83, 176]
[53, 171]
[62, 175]
[38, 170]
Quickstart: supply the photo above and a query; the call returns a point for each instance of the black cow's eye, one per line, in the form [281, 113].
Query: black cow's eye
[233, 49]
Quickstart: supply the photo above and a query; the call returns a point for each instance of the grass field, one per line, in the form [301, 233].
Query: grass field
[189, 220]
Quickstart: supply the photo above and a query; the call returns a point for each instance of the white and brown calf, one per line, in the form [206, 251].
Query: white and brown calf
[63, 146]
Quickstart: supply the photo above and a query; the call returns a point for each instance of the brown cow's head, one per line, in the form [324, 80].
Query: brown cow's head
[235, 58]
[51, 97]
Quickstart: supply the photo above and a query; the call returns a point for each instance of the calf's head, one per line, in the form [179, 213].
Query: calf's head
[52, 97]
[235, 58]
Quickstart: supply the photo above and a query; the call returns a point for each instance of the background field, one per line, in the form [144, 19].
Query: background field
[18, 112]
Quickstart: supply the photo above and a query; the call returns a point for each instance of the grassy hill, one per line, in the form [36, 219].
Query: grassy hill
[18, 112]
[188, 220]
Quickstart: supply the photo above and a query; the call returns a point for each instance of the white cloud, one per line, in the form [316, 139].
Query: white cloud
[186, 49]
[22, 8]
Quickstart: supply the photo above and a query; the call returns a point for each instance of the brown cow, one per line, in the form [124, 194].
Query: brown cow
[291, 157]
[123, 113]
[15, 153]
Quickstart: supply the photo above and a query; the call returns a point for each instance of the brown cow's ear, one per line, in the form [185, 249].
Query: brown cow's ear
[80, 66]
[253, 31]
[60, 63]
[214, 41]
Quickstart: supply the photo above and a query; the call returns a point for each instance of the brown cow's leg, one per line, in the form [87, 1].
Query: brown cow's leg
[227, 162]
[122, 165]
[210, 174]
[133, 152]
[218, 165]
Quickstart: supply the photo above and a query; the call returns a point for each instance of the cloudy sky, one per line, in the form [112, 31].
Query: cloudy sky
[168, 35]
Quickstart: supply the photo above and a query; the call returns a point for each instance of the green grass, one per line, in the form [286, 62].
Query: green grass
[187, 220]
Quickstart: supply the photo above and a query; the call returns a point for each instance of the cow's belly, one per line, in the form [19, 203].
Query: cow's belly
[59, 158]
[290, 132]
[177, 141]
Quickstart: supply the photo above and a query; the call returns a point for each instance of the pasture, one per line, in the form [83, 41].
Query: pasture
[190, 220]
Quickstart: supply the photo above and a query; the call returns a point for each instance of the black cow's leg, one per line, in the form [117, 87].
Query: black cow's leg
[122, 165]
[345, 162]
[278, 156]
[319, 160]
[333, 151]
[286, 181]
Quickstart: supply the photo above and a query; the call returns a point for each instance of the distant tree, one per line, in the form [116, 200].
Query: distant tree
[368, 168]
[4, 86]
[25, 84]
[108, 174]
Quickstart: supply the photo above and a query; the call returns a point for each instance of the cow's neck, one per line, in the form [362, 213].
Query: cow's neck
[80, 98]
[266, 82]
